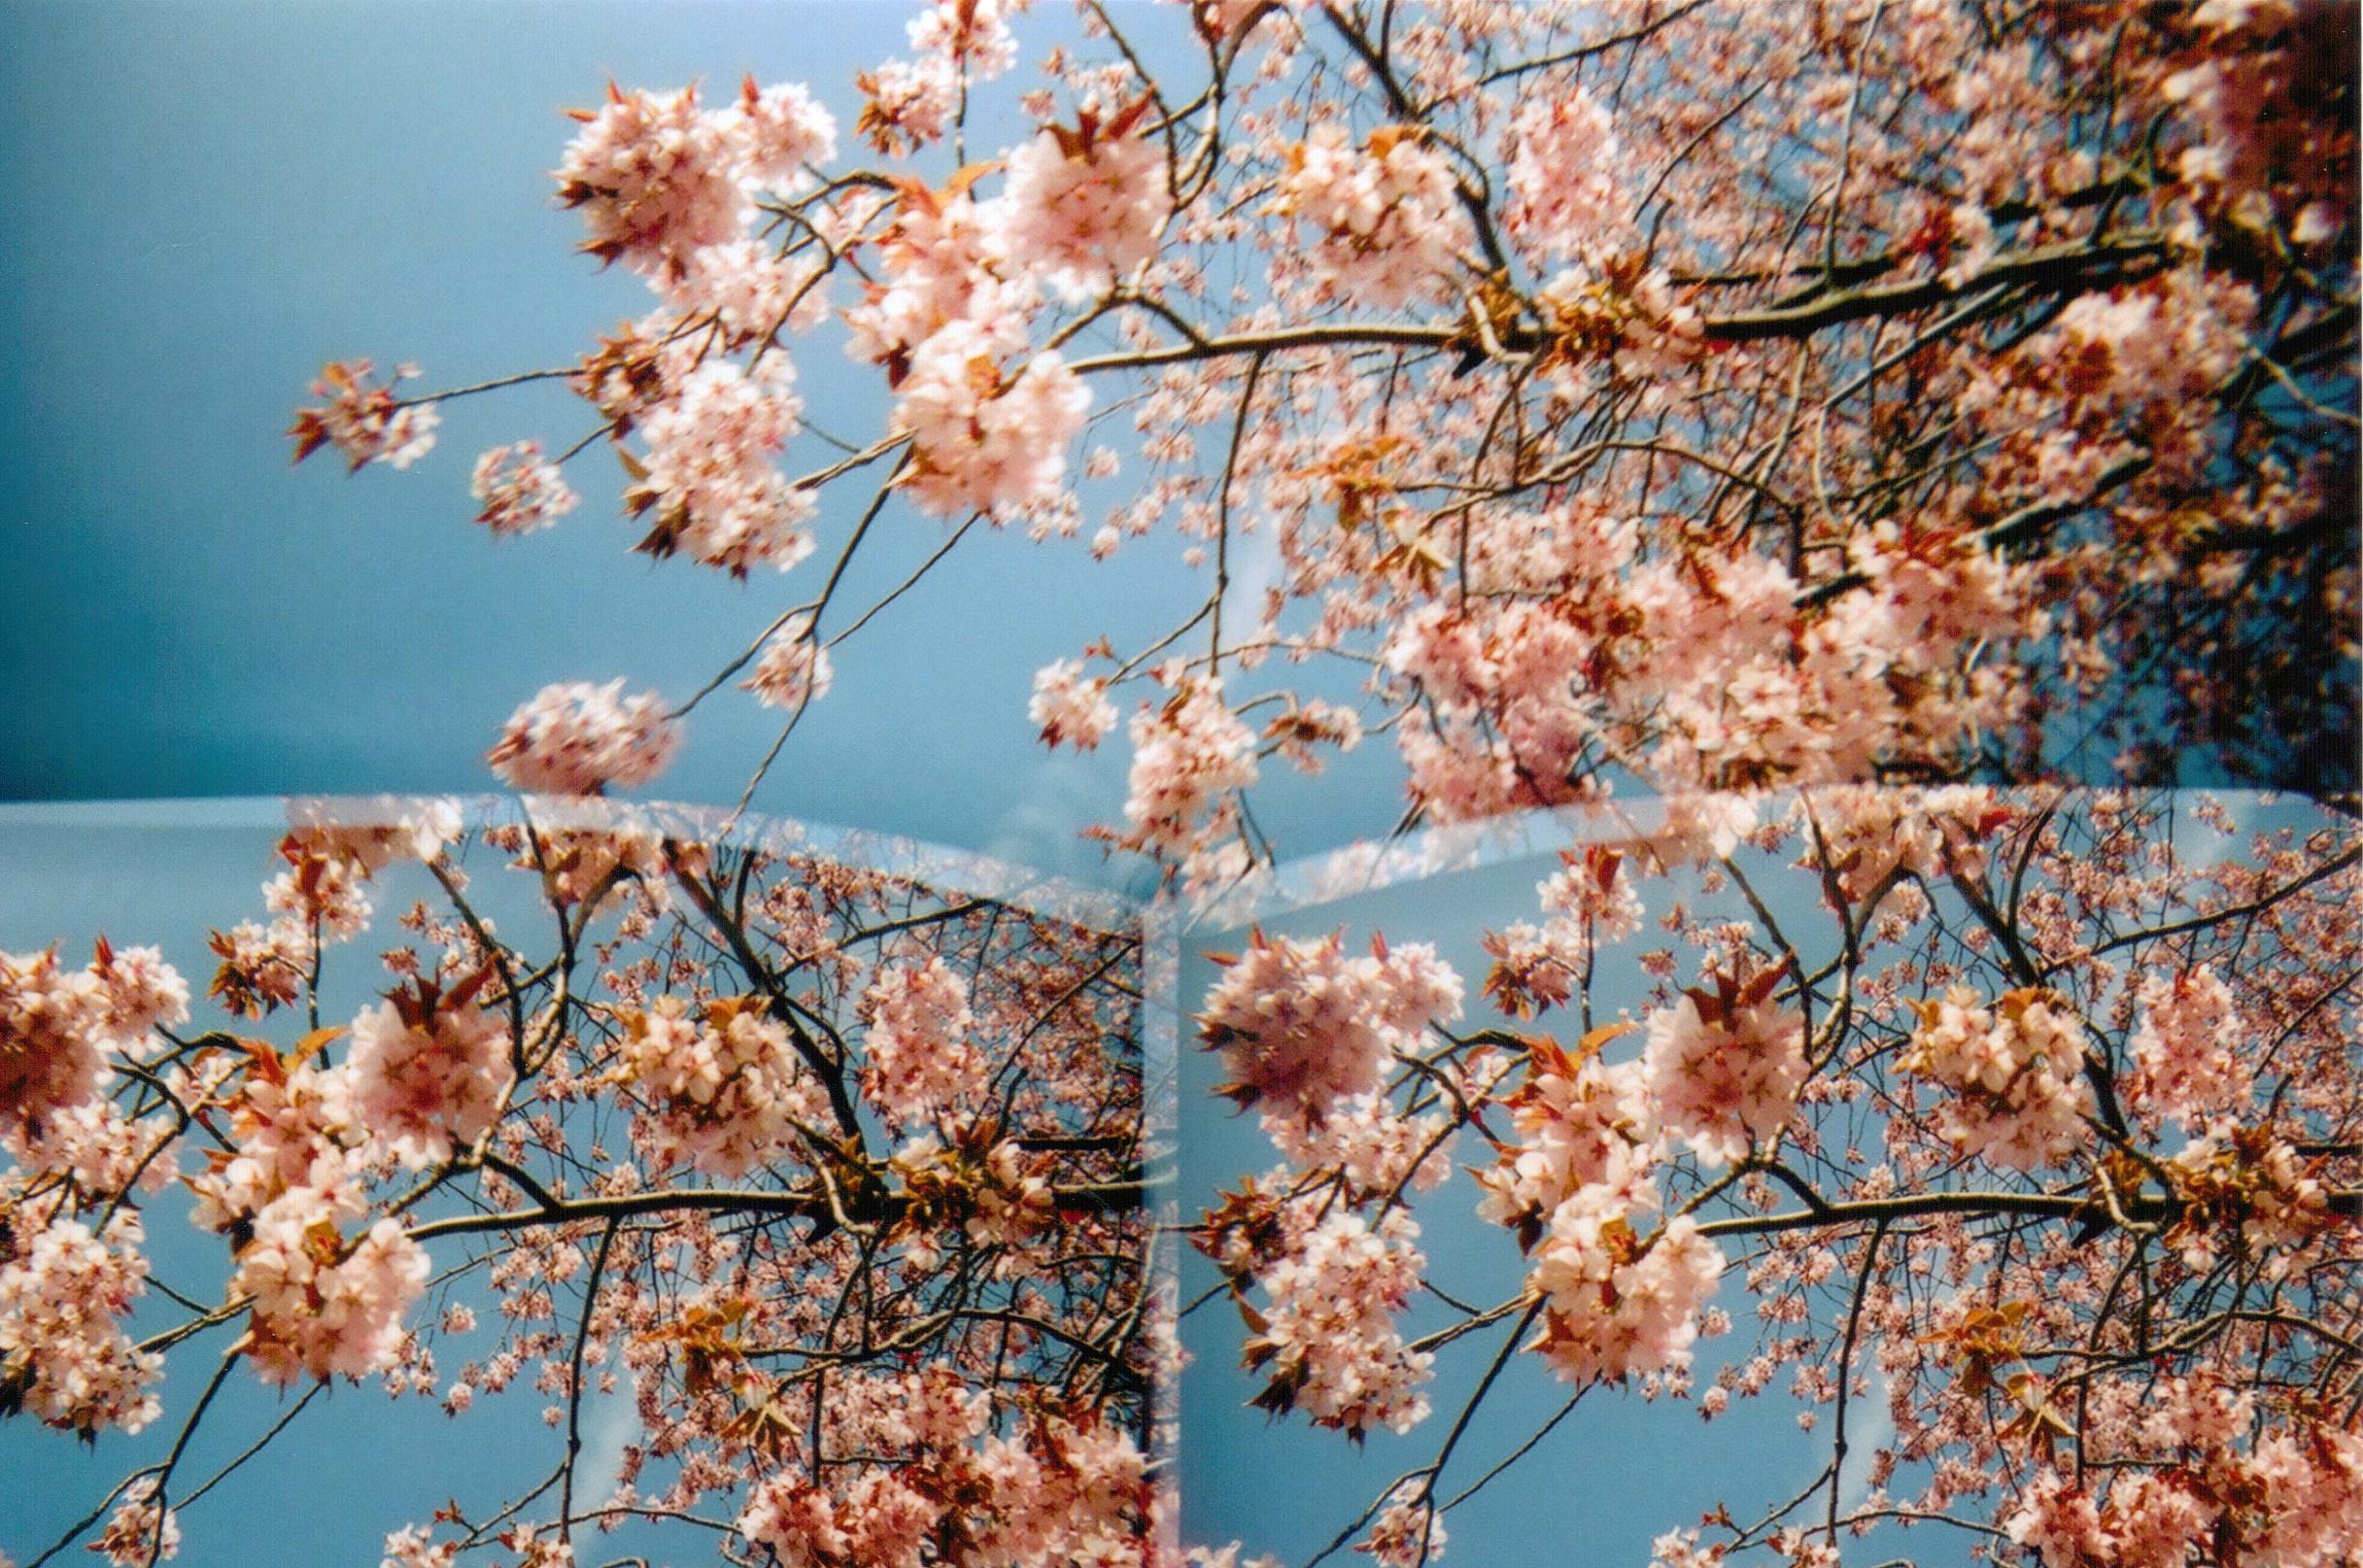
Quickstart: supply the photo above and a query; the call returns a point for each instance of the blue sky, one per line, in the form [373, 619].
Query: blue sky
[208, 200]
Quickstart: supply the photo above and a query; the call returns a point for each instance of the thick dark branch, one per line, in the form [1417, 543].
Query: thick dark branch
[2064, 268]
[1110, 1197]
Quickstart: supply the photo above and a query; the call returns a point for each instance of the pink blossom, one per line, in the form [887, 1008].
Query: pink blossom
[522, 493]
[2185, 1051]
[655, 178]
[1314, 723]
[707, 480]
[373, 834]
[920, 1055]
[750, 289]
[62, 1300]
[1564, 190]
[971, 34]
[1329, 1343]
[102, 1149]
[1385, 221]
[1085, 205]
[910, 104]
[322, 1306]
[793, 668]
[776, 133]
[2016, 1076]
[429, 1073]
[1070, 708]
[367, 424]
[1409, 1530]
[576, 738]
[982, 438]
[140, 1532]
[1582, 1124]
[727, 1092]
[51, 1040]
[1725, 1066]
[1184, 757]
[1620, 1305]
[945, 260]
[1302, 1025]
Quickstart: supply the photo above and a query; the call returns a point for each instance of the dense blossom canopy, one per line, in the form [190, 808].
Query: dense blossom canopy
[869, 1270]
[1852, 421]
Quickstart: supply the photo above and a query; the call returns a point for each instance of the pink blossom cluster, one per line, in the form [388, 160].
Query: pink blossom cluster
[911, 103]
[920, 1052]
[2250, 1186]
[1619, 1304]
[1186, 756]
[748, 289]
[521, 491]
[368, 423]
[792, 669]
[655, 178]
[2265, 168]
[577, 738]
[2015, 1076]
[1871, 835]
[1588, 903]
[724, 1089]
[1329, 1343]
[262, 966]
[1563, 188]
[375, 834]
[1071, 708]
[59, 1025]
[412, 1546]
[429, 1073]
[139, 1532]
[984, 436]
[2166, 339]
[1368, 1141]
[325, 1306]
[1582, 1125]
[102, 1149]
[291, 1127]
[592, 865]
[319, 898]
[1724, 1066]
[2186, 1052]
[1386, 222]
[778, 135]
[1055, 1490]
[1084, 207]
[1408, 1531]
[64, 1292]
[2293, 1500]
[1013, 1203]
[1301, 1025]
[1312, 723]
[1703, 672]
[945, 260]
[1573, 1188]
[707, 478]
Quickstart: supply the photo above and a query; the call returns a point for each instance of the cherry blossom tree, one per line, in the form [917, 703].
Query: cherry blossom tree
[1846, 420]
[2011, 1136]
[1631, 391]
[833, 1174]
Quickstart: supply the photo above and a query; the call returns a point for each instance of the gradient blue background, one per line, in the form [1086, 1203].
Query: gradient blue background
[208, 200]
